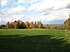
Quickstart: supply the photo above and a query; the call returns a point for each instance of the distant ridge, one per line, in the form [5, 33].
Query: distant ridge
[56, 22]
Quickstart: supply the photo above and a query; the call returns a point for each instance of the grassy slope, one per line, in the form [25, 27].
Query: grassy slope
[32, 32]
[34, 40]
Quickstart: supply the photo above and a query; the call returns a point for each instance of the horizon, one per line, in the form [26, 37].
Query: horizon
[46, 11]
[34, 22]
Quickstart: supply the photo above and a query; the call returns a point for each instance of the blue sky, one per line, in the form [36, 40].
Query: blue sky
[47, 11]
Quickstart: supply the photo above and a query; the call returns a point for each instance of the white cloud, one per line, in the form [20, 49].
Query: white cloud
[48, 10]
[3, 2]
[23, 1]
[56, 8]
[56, 15]
[17, 9]
[13, 18]
[46, 4]
[60, 4]
[18, 17]
[42, 5]
[0, 19]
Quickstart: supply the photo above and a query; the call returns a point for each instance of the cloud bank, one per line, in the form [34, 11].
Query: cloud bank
[47, 11]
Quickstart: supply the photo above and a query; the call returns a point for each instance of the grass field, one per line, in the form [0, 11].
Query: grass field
[34, 40]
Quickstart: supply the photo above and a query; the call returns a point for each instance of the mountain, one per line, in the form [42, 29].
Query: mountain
[56, 22]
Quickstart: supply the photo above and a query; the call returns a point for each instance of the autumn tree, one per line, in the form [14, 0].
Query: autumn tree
[27, 24]
[31, 25]
[40, 25]
[8, 25]
[15, 24]
[19, 24]
[67, 23]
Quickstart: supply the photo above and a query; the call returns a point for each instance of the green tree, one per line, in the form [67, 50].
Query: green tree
[35, 24]
[22, 25]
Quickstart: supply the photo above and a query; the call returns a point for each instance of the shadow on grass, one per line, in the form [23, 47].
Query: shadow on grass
[41, 43]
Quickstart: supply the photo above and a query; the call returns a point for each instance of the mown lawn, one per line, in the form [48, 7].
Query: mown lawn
[34, 40]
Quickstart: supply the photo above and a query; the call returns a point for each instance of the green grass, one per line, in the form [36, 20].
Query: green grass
[34, 40]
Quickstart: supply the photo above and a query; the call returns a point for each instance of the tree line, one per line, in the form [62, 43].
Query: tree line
[27, 25]
[22, 25]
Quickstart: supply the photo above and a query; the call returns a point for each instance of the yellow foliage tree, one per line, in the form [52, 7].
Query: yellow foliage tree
[27, 24]
[7, 25]
[67, 23]
[31, 25]
[40, 25]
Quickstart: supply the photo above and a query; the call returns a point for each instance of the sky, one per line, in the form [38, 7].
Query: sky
[46, 11]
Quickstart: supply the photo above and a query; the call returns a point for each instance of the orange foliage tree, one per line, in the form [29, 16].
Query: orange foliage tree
[40, 25]
[31, 25]
[27, 24]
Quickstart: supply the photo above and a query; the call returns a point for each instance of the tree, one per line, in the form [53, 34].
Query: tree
[67, 23]
[22, 25]
[7, 25]
[2, 26]
[16, 24]
[31, 25]
[35, 24]
[19, 24]
[40, 25]
[27, 24]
